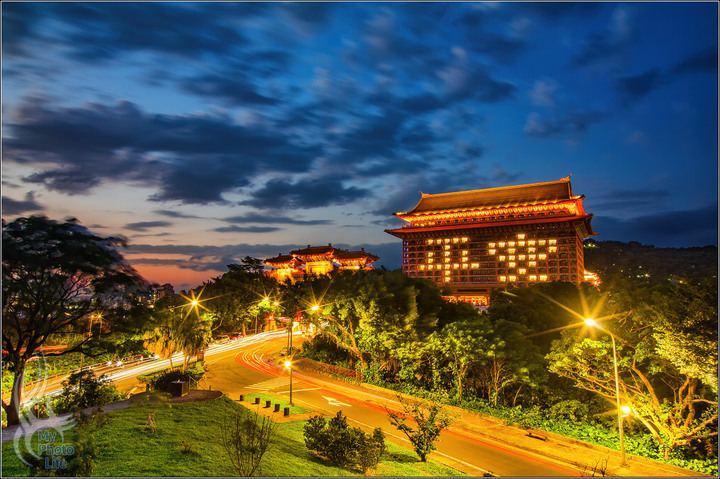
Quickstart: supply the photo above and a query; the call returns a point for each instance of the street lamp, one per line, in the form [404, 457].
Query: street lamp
[621, 411]
[288, 365]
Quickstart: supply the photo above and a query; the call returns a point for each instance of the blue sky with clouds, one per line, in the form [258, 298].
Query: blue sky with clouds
[206, 132]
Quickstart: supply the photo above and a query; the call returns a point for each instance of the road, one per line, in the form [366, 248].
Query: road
[247, 371]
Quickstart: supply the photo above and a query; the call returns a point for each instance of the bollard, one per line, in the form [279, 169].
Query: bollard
[257, 400]
[267, 403]
[286, 411]
[277, 408]
[242, 397]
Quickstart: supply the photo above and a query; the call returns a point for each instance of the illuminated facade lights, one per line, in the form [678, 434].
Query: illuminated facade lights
[494, 237]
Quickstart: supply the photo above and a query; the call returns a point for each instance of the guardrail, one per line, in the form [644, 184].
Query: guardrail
[97, 366]
[317, 366]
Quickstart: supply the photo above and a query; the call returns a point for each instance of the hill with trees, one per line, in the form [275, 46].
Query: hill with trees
[614, 260]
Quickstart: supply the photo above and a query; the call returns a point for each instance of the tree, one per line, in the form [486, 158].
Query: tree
[464, 343]
[54, 276]
[668, 395]
[246, 437]
[430, 422]
[192, 335]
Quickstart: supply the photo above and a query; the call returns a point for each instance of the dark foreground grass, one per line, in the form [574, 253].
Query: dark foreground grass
[127, 448]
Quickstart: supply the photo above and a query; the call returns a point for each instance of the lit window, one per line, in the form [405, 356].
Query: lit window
[542, 256]
[464, 252]
[521, 243]
[543, 277]
[456, 240]
[511, 264]
[430, 253]
[447, 260]
[531, 250]
[552, 241]
[465, 266]
[541, 242]
[447, 240]
[511, 250]
[532, 256]
[502, 278]
[456, 265]
[430, 266]
[501, 258]
[447, 253]
[511, 243]
[475, 266]
[447, 280]
[430, 241]
[511, 258]
[501, 244]
[464, 259]
[447, 273]
[521, 257]
[532, 277]
[521, 236]
[464, 240]
[552, 249]
[491, 245]
[532, 264]
[447, 246]
[522, 271]
[531, 242]
[430, 260]
[422, 267]
[491, 251]
[512, 278]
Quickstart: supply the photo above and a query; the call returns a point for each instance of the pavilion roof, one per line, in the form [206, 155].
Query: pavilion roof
[505, 196]
[346, 255]
[314, 251]
[283, 259]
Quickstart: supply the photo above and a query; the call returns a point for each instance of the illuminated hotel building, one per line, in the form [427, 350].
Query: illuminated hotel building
[480, 240]
[318, 260]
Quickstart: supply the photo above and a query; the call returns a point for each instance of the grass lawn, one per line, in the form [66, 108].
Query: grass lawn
[127, 448]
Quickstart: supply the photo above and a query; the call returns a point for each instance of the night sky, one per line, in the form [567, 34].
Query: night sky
[209, 132]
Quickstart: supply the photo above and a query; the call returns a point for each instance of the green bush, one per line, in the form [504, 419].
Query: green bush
[343, 445]
[82, 390]
[160, 382]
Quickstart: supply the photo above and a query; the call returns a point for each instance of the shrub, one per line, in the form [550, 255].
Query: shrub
[82, 390]
[343, 445]
[246, 436]
[160, 382]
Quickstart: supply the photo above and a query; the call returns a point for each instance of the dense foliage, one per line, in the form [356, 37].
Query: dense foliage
[617, 260]
[84, 389]
[343, 445]
[55, 276]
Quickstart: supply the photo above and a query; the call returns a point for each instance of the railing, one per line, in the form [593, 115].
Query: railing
[317, 366]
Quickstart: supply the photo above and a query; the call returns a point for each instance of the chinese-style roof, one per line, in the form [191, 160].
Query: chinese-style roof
[314, 251]
[505, 196]
[346, 255]
[283, 259]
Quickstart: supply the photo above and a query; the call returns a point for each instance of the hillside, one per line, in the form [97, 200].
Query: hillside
[612, 259]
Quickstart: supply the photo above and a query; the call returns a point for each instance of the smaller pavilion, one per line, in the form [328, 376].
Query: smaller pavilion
[318, 260]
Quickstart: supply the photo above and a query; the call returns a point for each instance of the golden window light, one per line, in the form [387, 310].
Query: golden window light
[501, 244]
[456, 240]
[492, 251]
[491, 245]
[532, 264]
[522, 271]
[542, 256]
[464, 252]
[511, 264]
[512, 278]
[501, 258]
[475, 266]
[532, 277]
[511, 250]
[541, 242]
[511, 258]
[552, 241]
[502, 278]
[532, 250]
[521, 243]
[463, 239]
[552, 249]
[532, 256]
[531, 242]
[521, 257]
[464, 259]
[521, 235]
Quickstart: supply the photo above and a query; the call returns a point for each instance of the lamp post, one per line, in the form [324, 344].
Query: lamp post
[620, 410]
[288, 364]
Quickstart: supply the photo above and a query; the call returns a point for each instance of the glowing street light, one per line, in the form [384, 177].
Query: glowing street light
[621, 411]
[288, 365]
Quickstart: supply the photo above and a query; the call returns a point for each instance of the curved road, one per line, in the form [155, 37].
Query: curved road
[246, 371]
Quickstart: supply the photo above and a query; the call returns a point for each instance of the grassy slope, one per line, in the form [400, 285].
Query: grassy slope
[126, 448]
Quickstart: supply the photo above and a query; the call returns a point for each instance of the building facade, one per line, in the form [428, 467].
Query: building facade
[318, 260]
[480, 240]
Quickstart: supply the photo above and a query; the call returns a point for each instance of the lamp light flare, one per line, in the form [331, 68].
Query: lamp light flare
[288, 364]
[315, 308]
[590, 321]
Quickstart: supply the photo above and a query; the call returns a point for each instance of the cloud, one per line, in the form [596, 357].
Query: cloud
[246, 229]
[235, 90]
[175, 214]
[566, 126]
[13, 207]
[463, 79]
[608, 50]
[686, 228]
[192, 158]
[543, 93]
[143, 226]
[635, 87]
[273, 218]
[702, 61]
[307, 193]
[622, 200]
